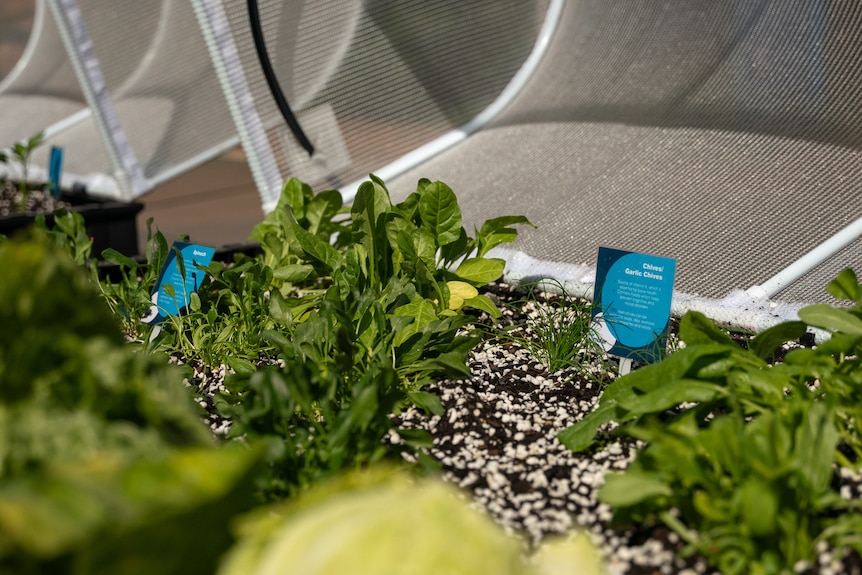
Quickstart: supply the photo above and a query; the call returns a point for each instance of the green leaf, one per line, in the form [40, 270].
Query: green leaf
[462, 247]
[424, 246]
[416, 438]
[170, 291]
[423, 313]
[413, 243]
[157, 248]
[765, 385]
[709, 507]
[451, 364]
[428, 402]
[326, 257]
[181, 264]
[846, 286]
[483, 303]
[481, 271]
[765, 343]
[321, 209]
[630, 488]
[112, 256]
[364, 406]
[293, 272]
[194, 301]
[371, 210]
[240, 366]
[293, 194]
[420, 309]
[696, 328]
[496, 231]
[279, 308]
[670, 395]
[759, 506]
[440, 213]
[838, 344]
[580, 436]
[832, 319]
[35, 140]
[816, 440]
[685, 363]
[409, 208]
[372, 199]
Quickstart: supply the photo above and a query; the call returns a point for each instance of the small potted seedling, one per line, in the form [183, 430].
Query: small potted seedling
[111, 224]
[16, 191]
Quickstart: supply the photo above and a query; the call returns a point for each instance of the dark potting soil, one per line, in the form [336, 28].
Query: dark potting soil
[38, 200]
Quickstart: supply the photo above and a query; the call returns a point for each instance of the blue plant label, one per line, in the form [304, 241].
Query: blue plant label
[179, 278]
[633, 293]
[55, 170]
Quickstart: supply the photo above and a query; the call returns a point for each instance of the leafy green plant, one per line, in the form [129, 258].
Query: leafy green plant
[741, 452]
[417, 264]
[421, 238]
[363, 321]
[105, 514]
[315, 213]
[21, 152]
[227, 314]
[69, 234]
[128, 289]
[393, 524]
[312, 246]
[105, 465]
[327, 407]
[61, 351]
[362, 308]
[750, 497]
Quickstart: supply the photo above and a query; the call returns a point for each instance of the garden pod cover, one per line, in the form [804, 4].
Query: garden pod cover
[388, 524]
[368, 81]
[726, 135]
[125, 88]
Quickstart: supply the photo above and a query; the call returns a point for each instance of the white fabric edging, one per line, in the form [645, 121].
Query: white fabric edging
[738, 310]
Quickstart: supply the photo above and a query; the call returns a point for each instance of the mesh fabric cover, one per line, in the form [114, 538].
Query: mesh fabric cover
[723, 134]
[177, 115]
[381, 77]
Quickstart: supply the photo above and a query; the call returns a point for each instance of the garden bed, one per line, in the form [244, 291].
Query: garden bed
[350, 341]
[497, 440]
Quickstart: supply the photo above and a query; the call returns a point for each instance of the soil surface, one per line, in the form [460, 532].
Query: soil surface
[38, 200]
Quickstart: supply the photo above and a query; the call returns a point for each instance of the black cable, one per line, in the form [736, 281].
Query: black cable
[272, 81]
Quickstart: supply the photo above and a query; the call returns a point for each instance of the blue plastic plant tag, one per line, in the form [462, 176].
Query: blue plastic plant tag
[179, 278]
[55, 170]
[633, 293]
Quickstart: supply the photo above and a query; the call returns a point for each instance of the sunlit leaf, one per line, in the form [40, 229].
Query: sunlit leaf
[459, 292]
[623, 490]
[440, 213]
[846, 286]
[832, 319]
[481, 271]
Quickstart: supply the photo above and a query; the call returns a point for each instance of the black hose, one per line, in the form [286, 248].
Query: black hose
[272, 81]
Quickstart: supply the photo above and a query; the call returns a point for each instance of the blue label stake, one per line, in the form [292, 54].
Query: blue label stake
[173, 289]
[633, 293]
[55, 170]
